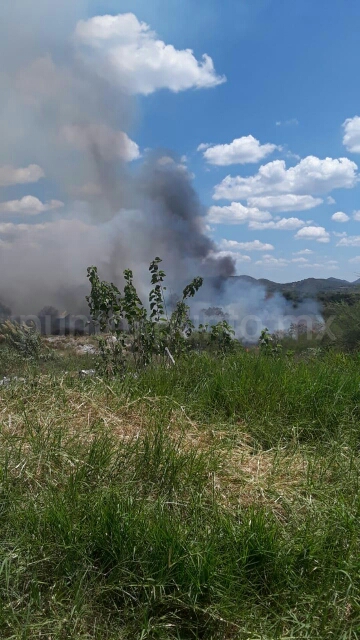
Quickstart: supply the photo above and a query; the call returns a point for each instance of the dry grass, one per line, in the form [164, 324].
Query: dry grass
[265, 538]
[244, 474]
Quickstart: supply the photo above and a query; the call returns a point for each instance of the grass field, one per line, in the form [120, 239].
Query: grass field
[216, 499]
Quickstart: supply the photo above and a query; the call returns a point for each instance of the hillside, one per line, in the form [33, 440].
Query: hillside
[308, 288]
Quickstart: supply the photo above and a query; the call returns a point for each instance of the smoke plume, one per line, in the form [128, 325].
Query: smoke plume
[76, 123]
[70, 114]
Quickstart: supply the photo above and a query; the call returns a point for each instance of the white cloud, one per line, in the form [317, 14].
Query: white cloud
[340, 234]
[330, 200]
[109, 143]
[29, 205]
[254, 245]
[284, 224]
[271, 261]
[330, 265]
[9, 175]
[351, 139]
[349, 241]
[303, 252]
[127, 52]
[292, 122]
[236, 213]
[356, 216]
[313, 233]
[310, 175]
[300, 260]
[238, 257]
[239, 151]
[340, 216]
[26, 233]
[355, 260]
[203, 146]
[285, 202]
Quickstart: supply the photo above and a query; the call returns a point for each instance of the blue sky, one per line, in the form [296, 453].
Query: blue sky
[284, 125]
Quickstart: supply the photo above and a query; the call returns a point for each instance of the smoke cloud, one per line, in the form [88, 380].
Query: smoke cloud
[68, 117]
[249, 309]
[76, 189]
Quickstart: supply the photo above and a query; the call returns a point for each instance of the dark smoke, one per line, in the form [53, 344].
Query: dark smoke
[61, 115]
[178, 215]
[70, 122]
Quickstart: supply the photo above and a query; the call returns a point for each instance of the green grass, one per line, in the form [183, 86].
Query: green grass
[218, 499]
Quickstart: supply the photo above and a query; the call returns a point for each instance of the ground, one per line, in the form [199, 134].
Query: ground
[214, 499]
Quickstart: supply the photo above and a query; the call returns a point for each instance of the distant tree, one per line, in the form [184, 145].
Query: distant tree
[218, 312]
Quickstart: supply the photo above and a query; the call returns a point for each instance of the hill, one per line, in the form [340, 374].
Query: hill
[307, 288]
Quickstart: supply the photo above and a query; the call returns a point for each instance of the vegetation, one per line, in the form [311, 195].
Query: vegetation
[214, 499]
[138, 335]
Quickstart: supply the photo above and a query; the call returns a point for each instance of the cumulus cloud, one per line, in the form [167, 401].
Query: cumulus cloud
[29, 205]
[313, 233]
[10, 175]
[356, 215]
[236, 213]
[340, 216]
[270, 261]
[240, 151]
[10, 231]
[355, 260]
[204, 145]
[310, 175]
[109, 143]
[234, 255]
[349, 241]
[124, 50]
[254, 245]
[286, 202]
[329, 265]
[351, 139]
[303, 252]
[284, 224]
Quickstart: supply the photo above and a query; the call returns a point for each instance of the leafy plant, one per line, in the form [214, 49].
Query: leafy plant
[268, 344]
[222, 336]
[136, 334]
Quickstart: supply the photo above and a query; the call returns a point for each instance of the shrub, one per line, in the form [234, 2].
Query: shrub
[21, 338]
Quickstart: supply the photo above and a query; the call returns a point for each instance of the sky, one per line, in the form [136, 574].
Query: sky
[256, 100]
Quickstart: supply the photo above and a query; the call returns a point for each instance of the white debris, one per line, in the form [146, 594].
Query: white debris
[87, 373]
[6, 381]
[86, 349]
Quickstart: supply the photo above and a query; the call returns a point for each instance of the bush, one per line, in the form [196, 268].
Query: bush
[140, 335]
[21, 338]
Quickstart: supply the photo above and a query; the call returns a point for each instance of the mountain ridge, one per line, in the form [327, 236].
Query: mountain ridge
[308, 286]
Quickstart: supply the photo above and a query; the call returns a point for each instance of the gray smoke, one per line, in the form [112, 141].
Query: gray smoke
[249, 309]
[64, 117]
[76, 125]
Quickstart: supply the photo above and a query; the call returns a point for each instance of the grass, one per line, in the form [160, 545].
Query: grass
[218, 499]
